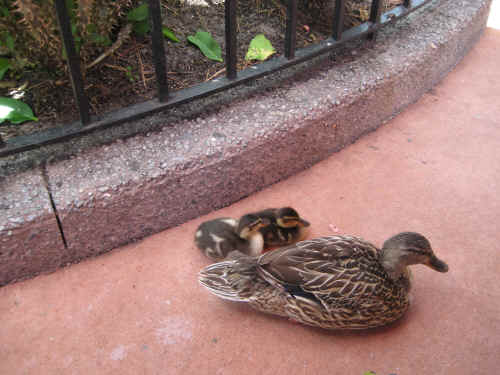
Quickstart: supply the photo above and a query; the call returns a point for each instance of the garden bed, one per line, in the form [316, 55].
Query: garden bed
[127, 76]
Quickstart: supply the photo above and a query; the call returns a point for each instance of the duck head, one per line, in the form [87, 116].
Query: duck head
[250, 225]
[408, 248]
[287, 217]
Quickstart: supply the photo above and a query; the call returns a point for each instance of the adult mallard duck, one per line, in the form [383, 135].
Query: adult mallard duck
[337, 282]
[285, 226]
[217, 238]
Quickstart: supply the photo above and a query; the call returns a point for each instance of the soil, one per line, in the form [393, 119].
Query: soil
[127, 76]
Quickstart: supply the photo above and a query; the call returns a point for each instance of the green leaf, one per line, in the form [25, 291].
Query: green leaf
[138, 14]
[141, 28]
[91, 28]
[100, 39]
[15, 111]
[9, 42]
[208, 46]
[70, 5]
[4, 66]
[74, 29]
[169, 34]
[369, 373]
[260, 48]
[4, 11]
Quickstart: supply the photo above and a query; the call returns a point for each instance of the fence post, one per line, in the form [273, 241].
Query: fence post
[231, 43]
[291, 29]
[375, 12]
[338, 19]
[158, 47]
[73, 61]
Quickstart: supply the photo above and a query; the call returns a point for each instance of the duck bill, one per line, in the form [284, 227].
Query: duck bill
[303, 223]
[259, 226]
[437, 264]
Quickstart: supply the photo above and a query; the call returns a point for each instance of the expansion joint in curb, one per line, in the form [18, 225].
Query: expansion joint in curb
[45, 177]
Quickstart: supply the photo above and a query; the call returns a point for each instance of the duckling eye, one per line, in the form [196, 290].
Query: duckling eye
[417, 251]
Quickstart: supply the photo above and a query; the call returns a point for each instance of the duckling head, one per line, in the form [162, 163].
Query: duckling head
[408, 248]
[287, 217]
[250, 224]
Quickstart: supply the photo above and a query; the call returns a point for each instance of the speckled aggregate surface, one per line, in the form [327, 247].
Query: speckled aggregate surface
[30, 239]
[111, 195]
[432, 169]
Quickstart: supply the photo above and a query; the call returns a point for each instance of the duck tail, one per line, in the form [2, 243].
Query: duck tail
[231, 279]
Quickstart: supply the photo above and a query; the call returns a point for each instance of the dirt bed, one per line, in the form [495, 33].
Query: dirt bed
[127, 76]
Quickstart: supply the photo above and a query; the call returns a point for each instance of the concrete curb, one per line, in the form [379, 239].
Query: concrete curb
[30, 241]
[111, 195]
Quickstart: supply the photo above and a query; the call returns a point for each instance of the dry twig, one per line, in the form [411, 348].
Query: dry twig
[122, 37]
[216, 74]
[141, 69]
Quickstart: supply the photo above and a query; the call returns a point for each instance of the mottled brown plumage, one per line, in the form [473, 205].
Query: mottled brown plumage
[337, 282]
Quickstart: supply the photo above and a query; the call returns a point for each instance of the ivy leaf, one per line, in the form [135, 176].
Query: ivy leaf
[4, 66]
[169, 34]
[208, 46]
[15, 111]
[138, 14]
[260, 48]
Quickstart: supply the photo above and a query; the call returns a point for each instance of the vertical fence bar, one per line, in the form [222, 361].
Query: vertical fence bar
[73, 61]
[338, 19]
[291, 29]
[375, 12]
[158, 47]
[231, 46]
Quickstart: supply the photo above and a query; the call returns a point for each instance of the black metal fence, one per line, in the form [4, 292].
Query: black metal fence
[166, 99]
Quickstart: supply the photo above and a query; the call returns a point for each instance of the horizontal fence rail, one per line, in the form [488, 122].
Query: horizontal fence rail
[167, 99]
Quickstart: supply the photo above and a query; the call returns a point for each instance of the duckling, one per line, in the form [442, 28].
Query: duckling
[219, 237]
[286, 226]
[336, 282]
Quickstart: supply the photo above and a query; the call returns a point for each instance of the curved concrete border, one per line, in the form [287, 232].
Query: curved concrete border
[111, 195]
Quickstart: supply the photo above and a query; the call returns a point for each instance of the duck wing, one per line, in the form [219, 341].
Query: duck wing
[337, 271]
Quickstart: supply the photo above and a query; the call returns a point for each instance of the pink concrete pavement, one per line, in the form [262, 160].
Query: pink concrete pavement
[434, 169]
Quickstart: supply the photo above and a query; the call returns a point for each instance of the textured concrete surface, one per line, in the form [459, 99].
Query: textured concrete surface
[30, 240]
[433, 169]
[127, 190]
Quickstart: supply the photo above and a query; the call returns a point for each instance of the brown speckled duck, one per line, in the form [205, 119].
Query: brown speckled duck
[337, 282]
[217, 238]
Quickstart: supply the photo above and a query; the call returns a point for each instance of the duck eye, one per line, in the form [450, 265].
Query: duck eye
[417, 251]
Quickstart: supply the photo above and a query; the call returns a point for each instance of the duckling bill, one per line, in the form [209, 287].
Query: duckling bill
[336, 282]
